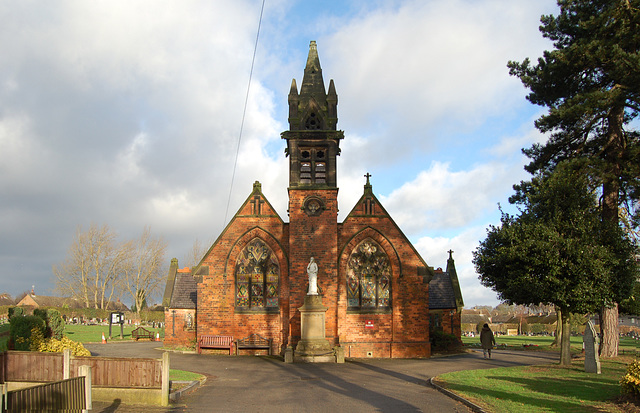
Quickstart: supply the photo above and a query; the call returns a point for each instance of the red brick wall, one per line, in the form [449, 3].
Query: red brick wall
[216, 293]
[404, 332]
[179, 334]
[313, 236]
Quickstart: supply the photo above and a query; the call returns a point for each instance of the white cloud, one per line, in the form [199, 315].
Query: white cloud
[128, 113]
[440, 198]
[434, 251]
[404, 72]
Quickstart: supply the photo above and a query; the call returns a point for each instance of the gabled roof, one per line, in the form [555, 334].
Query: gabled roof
[256, 205]
[472, 318]
[5, 299]
[37, 301]
[444, 288]
[369, 206]
[441, 293]
[185, 291]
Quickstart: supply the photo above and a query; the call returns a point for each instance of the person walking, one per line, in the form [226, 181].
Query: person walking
[487, 340]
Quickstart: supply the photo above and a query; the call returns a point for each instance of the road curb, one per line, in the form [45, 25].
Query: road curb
[454, 396]
[192, 386]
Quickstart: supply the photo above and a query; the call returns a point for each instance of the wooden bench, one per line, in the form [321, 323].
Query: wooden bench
[215, 342]
[140, 332]
[254, 341]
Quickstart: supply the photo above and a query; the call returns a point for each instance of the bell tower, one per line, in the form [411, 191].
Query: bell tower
[313, 144]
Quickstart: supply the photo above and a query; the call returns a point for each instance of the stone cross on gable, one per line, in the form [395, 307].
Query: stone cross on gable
[450, 254]
[257, 204]
[367, 175]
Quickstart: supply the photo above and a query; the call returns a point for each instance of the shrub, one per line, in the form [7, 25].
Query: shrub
[22, 329]
[630, 382]
[53, 345]
[36, 339]
[15, 311]
[53, 321]
[443, 341]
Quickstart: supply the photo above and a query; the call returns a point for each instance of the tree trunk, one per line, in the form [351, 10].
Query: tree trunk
[558, 337]
[610, 200]
[609, 329]
[565, 352]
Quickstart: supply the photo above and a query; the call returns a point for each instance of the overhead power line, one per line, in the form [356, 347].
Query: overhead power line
[244, 112]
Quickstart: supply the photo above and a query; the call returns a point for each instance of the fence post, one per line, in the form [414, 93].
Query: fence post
[86, 372]
[66, 363]
[165, 379]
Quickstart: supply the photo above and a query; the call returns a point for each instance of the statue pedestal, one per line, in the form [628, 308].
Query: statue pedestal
[313, 347]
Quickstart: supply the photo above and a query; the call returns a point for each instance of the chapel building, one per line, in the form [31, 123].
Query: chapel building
[254, 277]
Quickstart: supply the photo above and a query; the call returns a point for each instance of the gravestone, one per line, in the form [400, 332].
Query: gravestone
[591, 358]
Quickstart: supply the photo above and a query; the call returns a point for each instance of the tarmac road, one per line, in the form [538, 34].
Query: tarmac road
[267, 384]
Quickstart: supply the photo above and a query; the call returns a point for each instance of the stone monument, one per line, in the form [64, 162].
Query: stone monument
[313, 346]
[591, 358]
[312, 272]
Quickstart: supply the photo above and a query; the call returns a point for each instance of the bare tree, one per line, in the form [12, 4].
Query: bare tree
[143, 273]
[195, 254]
[91, 270]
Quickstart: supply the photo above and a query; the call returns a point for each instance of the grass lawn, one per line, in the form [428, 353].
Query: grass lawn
[93, 333]
[627, 345]
[546, 388]
[181, 375]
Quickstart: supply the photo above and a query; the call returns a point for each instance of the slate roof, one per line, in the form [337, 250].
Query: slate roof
[184, 291]
[473, 318]
[48, 301]
[441, 293]
[37, 301]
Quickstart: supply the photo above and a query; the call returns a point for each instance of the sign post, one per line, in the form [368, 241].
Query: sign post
[116, 318]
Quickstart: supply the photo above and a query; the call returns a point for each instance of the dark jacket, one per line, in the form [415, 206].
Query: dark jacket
[486, 338]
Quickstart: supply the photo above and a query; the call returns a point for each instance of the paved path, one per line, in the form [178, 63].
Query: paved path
[266, 384]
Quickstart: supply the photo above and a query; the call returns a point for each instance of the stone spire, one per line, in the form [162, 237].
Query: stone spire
[312, 82]
[313, 108]
[313, 141]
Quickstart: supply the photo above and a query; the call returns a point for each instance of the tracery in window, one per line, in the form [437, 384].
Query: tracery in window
[257, 277]
[312, 122]
[368, 277]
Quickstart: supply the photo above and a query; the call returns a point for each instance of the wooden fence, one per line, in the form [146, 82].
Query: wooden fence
[121, 372]
[31, 366]
[70, 395]
[106, 372]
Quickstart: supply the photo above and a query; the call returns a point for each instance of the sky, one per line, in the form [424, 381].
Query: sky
[130, 114]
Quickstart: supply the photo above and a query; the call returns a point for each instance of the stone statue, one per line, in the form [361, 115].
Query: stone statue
[312, 272]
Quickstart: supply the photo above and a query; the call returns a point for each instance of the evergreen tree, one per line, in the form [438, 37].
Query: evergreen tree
[590, 83]
[554, 250]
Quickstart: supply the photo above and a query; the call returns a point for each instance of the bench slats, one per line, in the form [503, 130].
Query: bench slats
[140, 332]
[254, 341]
[215, 342]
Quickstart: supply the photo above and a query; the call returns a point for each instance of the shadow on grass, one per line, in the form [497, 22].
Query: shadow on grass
[558, 394]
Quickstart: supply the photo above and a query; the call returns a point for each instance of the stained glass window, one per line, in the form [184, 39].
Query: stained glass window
[257, 277]
[368, 277]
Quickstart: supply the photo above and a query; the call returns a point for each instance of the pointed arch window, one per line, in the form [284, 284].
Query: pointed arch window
[368, 277]
[257, 277]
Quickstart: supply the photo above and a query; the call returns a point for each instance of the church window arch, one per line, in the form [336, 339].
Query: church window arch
[368, 277]
[257, 277]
